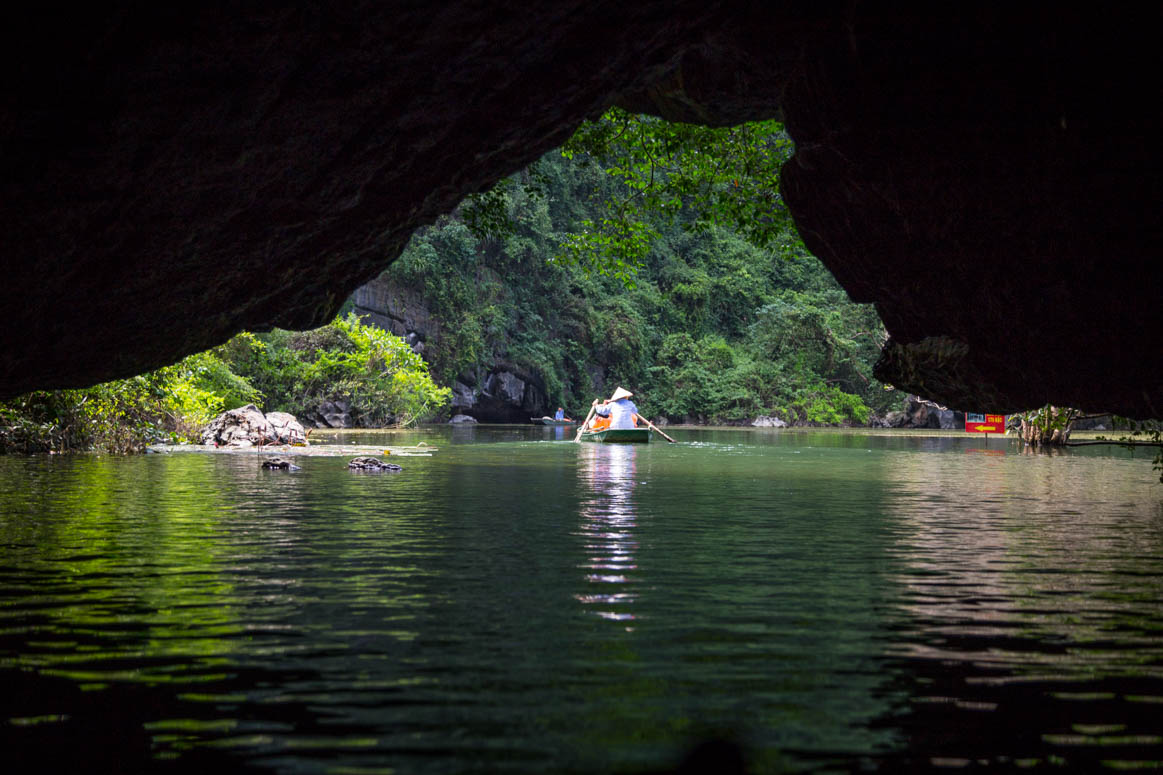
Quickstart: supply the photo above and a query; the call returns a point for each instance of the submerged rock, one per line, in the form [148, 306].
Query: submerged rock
[278, 464]
[372, 464]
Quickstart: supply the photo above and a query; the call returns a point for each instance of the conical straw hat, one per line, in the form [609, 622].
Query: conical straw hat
[620, 393]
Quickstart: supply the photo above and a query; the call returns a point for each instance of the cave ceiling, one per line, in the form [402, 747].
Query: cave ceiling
[988, 177]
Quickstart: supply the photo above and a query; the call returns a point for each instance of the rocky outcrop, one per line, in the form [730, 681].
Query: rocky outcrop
[242, 427]
[463, 397]
[501, 392]
[258, 167]
[333, 414]
[247, 426]
[508, 395]
[497, 394]
[287, 429]
[768, 422]
[507, 388]
[505, 394]
[462, 419]
[399, 310]
[922, 413]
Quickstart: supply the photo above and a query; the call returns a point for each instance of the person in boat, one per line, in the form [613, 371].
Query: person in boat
[559, 415]
[619, 408]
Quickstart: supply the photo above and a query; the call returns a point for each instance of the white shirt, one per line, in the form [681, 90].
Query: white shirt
[620, 412]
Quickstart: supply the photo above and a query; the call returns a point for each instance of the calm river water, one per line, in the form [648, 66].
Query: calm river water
[518, 603]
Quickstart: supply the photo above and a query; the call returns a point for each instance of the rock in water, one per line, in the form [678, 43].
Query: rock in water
[372, 464]
[246, 426]
[287, 429]
[278, 464]
[242, 427]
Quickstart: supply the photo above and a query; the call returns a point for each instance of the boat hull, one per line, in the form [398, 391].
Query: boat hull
[619, 436]
[551, 421]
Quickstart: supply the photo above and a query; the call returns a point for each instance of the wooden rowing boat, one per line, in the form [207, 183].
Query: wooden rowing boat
[551, 421]
[618, 435]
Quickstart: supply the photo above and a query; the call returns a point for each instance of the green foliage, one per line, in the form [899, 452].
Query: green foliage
[699, 381]
[382, 379]
[117, 417]
[697, 176]
[820, 333]
[201, 387]
[1048, 424]
[723, 320]
[487, 215]
[827, 405]
[611, 246]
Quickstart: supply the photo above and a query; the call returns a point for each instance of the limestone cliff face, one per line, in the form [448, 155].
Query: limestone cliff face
[497, 392]
[174, 173]
[399, 310]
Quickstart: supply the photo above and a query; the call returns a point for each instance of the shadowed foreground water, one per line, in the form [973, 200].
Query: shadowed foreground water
[519, 603]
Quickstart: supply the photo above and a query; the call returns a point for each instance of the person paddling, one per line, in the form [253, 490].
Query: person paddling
[617, 412]
[619, 408]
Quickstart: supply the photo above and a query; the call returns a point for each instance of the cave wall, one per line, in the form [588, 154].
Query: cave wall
[986, 176]
[999, 162]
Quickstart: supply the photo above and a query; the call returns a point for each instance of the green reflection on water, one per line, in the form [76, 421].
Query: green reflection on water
[519, 598]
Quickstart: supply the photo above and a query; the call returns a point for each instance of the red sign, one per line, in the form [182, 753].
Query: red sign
[985, 423]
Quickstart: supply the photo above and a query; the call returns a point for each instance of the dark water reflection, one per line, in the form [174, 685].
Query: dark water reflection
[518, 603]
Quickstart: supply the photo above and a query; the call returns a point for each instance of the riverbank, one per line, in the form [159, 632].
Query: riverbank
[329, 433]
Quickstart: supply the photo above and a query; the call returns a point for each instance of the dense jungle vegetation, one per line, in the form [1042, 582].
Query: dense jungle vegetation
[656, 256]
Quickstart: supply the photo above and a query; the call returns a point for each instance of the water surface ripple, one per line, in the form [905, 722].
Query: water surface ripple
[518, 603]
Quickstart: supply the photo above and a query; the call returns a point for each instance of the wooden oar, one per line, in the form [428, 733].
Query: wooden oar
[582, 427]
[655, 429]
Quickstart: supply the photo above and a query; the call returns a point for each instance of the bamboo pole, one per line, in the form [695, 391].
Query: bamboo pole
[655, 429]
[582, 427]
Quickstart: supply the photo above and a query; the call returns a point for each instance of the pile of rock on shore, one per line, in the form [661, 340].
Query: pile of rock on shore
[247, 426]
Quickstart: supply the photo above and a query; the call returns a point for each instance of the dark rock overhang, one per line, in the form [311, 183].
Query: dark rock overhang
[173, 175]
